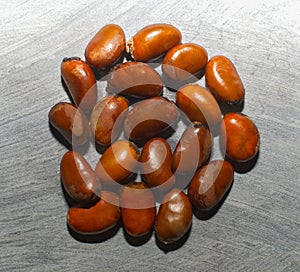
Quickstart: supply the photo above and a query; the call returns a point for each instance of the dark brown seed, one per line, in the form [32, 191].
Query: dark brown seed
[174, 217]
[156, 158]
[193, 149]
[149, 118]
[210, 184]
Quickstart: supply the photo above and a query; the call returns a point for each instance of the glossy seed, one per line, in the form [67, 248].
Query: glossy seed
[210, 183]
[149, 118]
[81, 83]
[138, 208]
[174, 217]
[153, 41]
[239, 137]
[107, 118]
[99, 218]
[199, 105]
[135, 79]
[117, 163]
[70, 122]
[223, 80]
[106, 47]
[156, 159]
[78, 178]
[193, 149]
[184, 61]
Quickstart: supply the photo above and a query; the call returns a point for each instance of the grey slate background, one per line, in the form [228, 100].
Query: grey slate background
[258, 226]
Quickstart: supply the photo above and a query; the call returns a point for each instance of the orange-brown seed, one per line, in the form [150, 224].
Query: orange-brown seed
[99, 218]
[135, 79]
[210, 183]
[70, 122]
[78, 178]
[138, 208]
[199, 105]
[223, 80]
[81, 82]
[106, 47]
[239, 136]
[117, 163]
[153, 41]
[184, 61]
[156, 158]
[107, 118]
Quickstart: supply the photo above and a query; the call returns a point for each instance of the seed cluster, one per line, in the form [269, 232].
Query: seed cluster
[109, 193]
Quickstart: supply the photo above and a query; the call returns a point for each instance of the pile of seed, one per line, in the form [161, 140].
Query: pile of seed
[134, 105]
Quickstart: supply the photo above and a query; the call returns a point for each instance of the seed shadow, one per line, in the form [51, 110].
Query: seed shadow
[94, 238]
[244, 167]
[160, 191]
[174, 86]
[82, 149]
[175, 245]
[101, 148]
[73, 203]
[138, 240]
[154, 63]
[65, 87]
[183, 179]
[233, 107]
[208, 214]
[101, 74]
[166, 133]
[116, 187]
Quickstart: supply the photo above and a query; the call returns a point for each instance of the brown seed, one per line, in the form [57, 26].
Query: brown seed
[193, 149]
[210, 184]
[135, 79]
[70, 122]
[81, 82]
[106, 47]
[199, 105]
[149, 118]
[183, 61]
[223, 80]
[78, 178]
[138, 208]
[239, 136]
[107, 119]
[153, 41]
[96, 219]
[174, 217]
[117, 163]
[156, 158]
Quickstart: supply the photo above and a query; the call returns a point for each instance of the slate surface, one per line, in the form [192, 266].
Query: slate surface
[257, 227]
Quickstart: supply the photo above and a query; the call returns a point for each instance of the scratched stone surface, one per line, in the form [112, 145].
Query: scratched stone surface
[258, 226]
